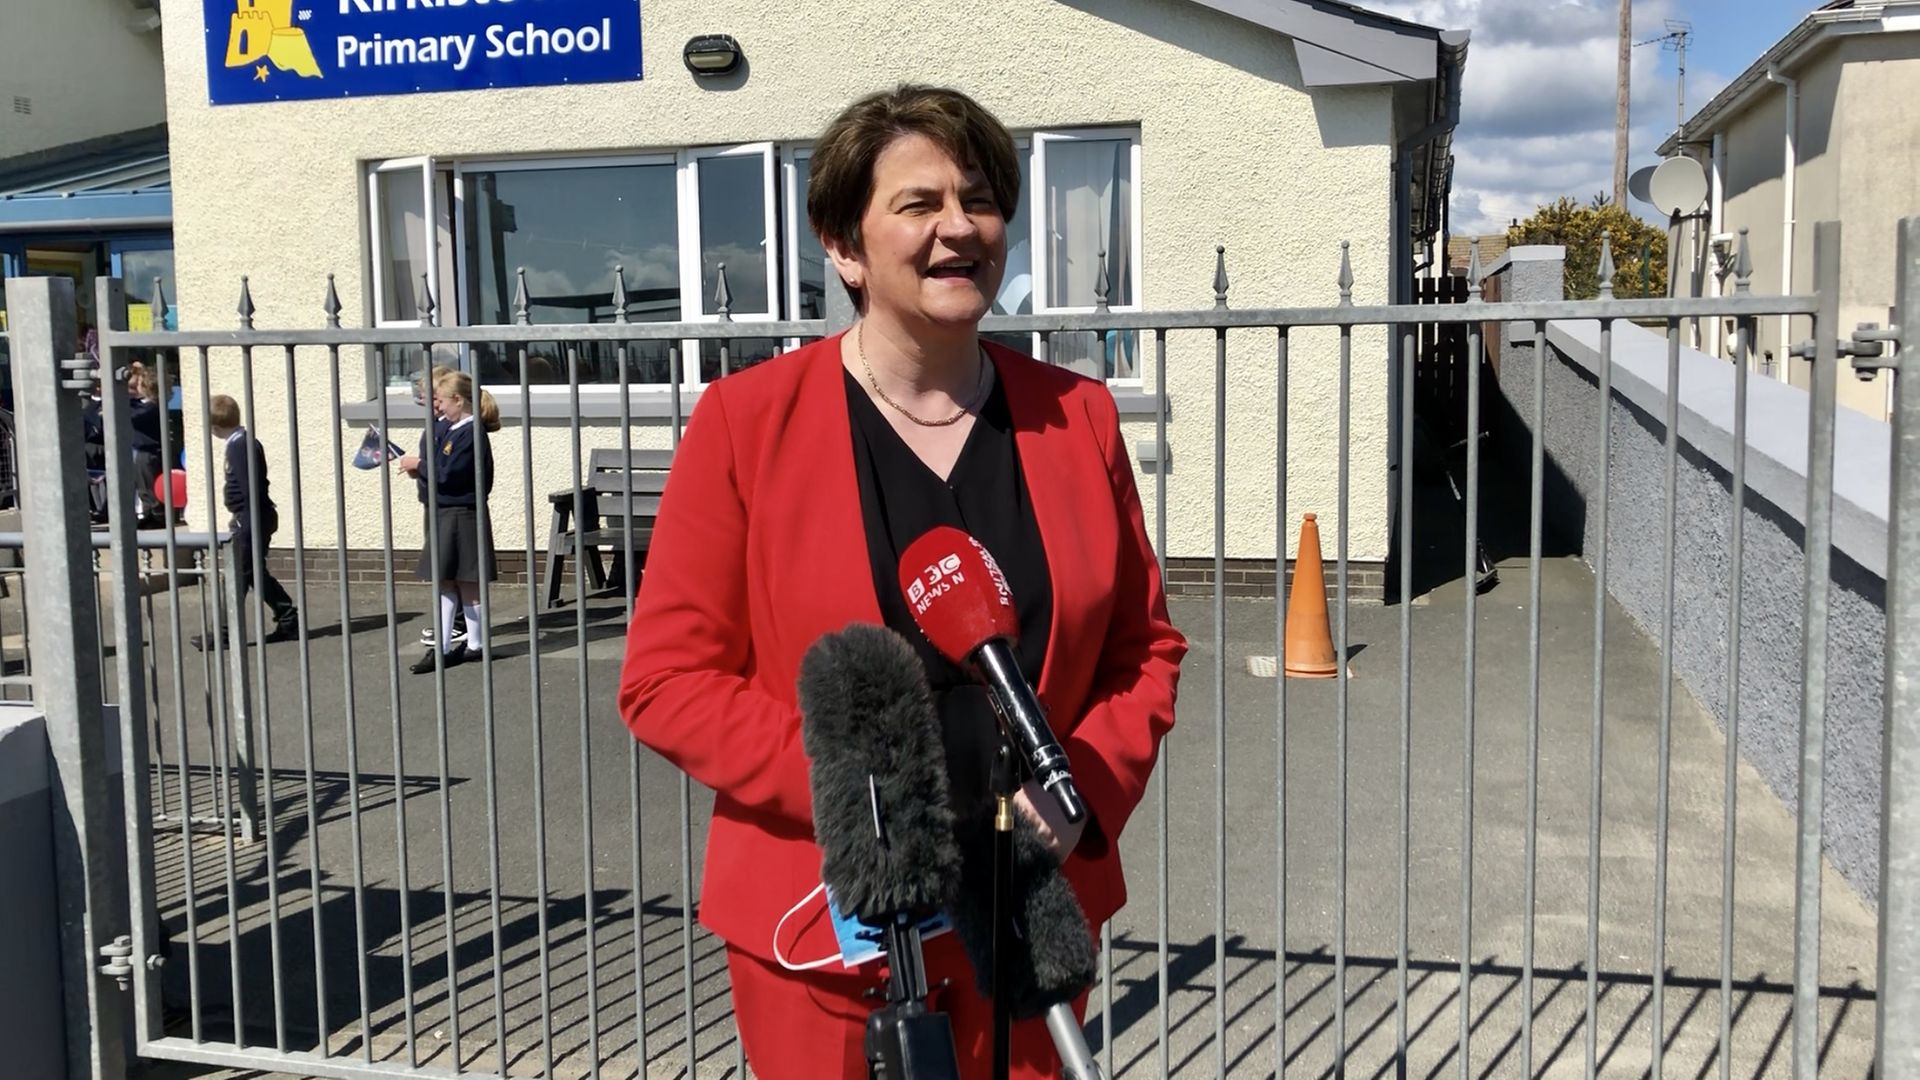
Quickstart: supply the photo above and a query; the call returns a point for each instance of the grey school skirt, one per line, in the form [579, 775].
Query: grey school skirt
[459, 547]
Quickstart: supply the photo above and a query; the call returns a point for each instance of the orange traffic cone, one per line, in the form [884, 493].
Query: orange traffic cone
[1309, 636]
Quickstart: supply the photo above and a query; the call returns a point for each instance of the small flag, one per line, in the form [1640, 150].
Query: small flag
[371, 454]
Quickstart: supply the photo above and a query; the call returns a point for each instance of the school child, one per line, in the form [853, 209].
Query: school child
[243, 454]
[460, 442]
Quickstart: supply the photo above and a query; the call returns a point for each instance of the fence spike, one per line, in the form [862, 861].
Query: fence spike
[1742, 266]
[723, 296]
[1346, 276]
[159, 303]
[1100, 282]
[521, 313]
[332, 305]
[426, 305]
[1606, 264]
[1219, 275]
[246, 304]
[1473, 269]
[619, 294]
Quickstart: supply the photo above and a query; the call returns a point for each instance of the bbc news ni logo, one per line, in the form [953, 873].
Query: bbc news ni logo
[934, 582]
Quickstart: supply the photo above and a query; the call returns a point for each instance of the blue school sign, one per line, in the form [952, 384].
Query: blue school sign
[290, 50]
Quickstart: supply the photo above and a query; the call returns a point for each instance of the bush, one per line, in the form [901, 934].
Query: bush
[1637, 246]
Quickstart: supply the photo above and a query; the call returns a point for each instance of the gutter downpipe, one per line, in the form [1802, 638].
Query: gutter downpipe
[1790, 167]
[1451, 62]
[1716, 224]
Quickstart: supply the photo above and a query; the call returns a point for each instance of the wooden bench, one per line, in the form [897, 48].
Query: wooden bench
[620, 487]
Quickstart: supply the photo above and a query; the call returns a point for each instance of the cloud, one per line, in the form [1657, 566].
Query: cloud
[1537, 103]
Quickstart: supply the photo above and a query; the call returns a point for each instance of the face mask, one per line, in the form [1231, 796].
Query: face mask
[859, 943]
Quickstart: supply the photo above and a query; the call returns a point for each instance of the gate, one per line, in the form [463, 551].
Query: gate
[280, 797]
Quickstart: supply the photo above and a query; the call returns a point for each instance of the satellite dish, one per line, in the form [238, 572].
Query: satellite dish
[1637, 183]
[1677, 186]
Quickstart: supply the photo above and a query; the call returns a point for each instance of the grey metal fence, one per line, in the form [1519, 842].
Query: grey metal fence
[554, 933]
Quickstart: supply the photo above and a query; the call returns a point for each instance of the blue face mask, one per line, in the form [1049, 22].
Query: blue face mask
[859, 943]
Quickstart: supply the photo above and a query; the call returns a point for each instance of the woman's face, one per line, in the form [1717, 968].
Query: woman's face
[934, 243]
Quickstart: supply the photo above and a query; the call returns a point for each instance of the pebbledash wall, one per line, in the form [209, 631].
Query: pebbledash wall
[1232, 150]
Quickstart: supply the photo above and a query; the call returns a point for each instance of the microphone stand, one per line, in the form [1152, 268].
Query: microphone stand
[905, 1040]
[1005, 783]
[1068, 1040]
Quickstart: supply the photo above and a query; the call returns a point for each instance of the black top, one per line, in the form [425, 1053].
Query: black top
[450, 449]
[985, 495]
[239, 488]
[145, 419]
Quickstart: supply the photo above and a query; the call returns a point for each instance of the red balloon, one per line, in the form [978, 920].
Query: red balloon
[171, 490]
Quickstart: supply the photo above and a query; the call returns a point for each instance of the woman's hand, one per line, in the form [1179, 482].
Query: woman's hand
[1043, 810]
[410, 464]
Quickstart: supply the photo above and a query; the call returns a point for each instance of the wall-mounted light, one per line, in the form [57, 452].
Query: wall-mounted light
[712, 54]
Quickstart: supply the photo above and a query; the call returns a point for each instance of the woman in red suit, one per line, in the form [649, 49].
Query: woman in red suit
[797, 485]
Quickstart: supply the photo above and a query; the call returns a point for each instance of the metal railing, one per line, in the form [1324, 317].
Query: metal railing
[313, 951]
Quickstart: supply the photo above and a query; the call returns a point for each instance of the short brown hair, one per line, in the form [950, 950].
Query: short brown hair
[223, 412]
[840, 175]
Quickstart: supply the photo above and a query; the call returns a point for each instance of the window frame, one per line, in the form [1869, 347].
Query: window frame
[452, 304]
[1037, 219]
[445, 180]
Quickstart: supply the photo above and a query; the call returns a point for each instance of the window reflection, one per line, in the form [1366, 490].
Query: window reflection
[1016, 286]
[733, 230]
[570, 228]
[403, 247]
[811, 272]
[1089, 207]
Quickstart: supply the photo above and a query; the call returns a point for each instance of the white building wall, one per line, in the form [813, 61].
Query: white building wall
[79, 69]
[1234, 151]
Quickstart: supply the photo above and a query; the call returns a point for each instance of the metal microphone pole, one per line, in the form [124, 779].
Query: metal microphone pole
[1004, 784]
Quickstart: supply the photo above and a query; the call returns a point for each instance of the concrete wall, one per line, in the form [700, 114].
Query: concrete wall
[31, 1026]
[86, 67]
[1773, 571]
[1234, 149]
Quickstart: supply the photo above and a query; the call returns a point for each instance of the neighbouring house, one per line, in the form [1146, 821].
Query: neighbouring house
[385, 144]
[1823, 126]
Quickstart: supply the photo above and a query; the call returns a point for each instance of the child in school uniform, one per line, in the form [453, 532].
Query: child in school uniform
[244, 455]
[460, 443]
[423, 397]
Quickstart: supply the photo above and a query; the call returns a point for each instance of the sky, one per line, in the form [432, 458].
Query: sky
[1538, 99]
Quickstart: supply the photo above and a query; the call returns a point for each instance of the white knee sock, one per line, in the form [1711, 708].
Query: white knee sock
[449, 603]
[476, 630]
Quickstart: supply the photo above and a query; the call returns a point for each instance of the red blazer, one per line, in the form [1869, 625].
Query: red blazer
[760, 548]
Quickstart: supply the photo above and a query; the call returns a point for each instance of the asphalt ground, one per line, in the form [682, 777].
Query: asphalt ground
[579, 806]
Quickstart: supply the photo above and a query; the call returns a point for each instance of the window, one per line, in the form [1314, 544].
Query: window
[410, 260]
[669, 221]
[1086, 205]
[569, 227]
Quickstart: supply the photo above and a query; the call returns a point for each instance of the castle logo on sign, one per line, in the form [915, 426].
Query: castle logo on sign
[284, 50]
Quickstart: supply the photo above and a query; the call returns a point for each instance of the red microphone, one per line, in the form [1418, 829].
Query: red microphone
[961, 602]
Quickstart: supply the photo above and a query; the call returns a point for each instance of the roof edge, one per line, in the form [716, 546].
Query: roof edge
[1818, 29]
[1351, 46]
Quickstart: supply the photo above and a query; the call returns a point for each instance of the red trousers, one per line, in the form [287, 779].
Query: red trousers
[812, 1025]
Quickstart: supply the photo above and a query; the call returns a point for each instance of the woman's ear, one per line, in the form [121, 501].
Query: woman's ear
[847, 262]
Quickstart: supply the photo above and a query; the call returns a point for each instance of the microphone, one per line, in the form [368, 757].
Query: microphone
[961, 602]
[882, 818]
[1050, 954]
[881, 813]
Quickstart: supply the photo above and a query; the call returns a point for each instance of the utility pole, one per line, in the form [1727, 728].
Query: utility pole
[1623, 78]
